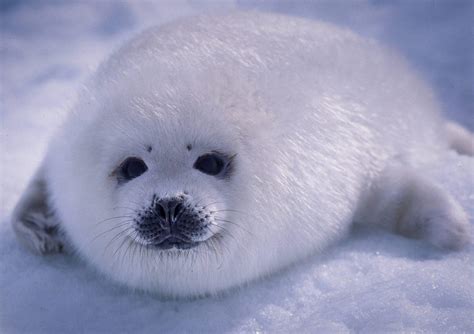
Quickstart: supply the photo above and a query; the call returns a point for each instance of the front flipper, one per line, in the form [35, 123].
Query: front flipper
[412, 205]
[33, 220]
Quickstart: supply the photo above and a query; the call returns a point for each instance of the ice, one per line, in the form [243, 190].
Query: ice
[371, 282]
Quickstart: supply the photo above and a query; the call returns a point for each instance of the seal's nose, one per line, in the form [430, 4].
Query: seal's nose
[172, 222]
[169, 209]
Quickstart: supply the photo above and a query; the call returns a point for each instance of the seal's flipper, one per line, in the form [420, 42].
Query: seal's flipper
[460, 139]
[33, 220]
[414, 206]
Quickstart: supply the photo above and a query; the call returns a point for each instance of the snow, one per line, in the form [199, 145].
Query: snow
[371, 282]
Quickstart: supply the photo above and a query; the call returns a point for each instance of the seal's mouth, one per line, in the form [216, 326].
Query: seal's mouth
[175, 241]
[179, 243]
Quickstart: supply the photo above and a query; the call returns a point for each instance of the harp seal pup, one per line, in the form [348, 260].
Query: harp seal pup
[215, 150]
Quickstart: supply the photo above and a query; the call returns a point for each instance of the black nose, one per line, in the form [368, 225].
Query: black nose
[171, 222]
[169, 209]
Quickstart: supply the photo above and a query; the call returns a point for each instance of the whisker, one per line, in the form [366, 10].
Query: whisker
[224, 229]
[112, 218]
[231, 210]
[117, 236]
[125, 239]
[222, 247]
[212, 249]
[137, 204]
[201, 200]
[213, 244]
[124, 207]
[121, 224]
[231, 222]
[133, 242]
[228, 253]
[207, 205]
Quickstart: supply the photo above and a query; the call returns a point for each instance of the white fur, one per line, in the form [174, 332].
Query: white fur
[315, 114]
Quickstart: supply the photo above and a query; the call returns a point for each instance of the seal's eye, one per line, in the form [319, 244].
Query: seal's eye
[132, 168]
[210, 163]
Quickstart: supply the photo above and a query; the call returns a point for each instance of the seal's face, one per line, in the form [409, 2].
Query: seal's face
[163, 196]
[174, 218]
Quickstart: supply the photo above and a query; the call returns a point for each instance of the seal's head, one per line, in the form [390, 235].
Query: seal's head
[158, 191]
[171, 179]
[184, 170]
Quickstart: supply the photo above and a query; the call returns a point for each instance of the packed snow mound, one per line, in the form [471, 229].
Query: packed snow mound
[373, 281]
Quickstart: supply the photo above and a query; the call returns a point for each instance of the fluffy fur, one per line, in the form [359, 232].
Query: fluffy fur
[326, 128]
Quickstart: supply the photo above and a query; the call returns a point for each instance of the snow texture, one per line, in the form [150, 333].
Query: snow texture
[371, 282]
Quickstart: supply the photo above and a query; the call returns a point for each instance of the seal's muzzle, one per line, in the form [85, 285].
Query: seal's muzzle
[172, 222]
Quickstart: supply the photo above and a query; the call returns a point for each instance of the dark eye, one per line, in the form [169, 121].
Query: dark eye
[132, 168]
[211, 164]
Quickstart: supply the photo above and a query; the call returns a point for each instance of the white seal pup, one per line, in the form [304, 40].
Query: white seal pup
[214, 150]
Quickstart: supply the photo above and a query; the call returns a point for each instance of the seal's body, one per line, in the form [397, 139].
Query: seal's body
[214, 150]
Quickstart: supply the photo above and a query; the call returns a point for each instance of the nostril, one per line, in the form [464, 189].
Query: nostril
[161, 211]
[177, 209]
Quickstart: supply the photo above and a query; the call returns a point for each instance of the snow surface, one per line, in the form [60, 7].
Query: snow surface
[371, 282]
